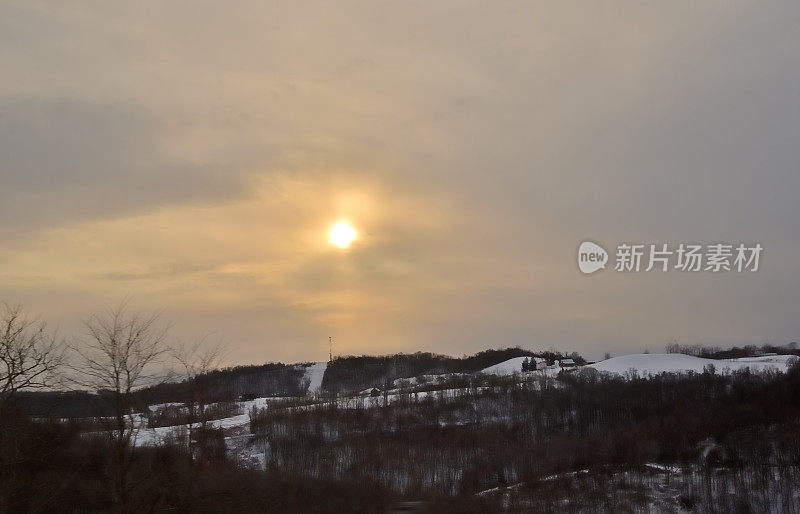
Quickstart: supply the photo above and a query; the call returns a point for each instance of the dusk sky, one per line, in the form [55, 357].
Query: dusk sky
[193, 158]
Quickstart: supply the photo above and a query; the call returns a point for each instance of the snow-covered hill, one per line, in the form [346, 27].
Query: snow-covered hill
[508, 367]
[643, 364]
[654, 363]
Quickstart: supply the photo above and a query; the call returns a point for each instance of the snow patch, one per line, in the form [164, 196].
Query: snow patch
[314, 375]
[655, 363]
[510, 366]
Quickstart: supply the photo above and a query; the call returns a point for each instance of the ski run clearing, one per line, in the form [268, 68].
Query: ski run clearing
[314, 374]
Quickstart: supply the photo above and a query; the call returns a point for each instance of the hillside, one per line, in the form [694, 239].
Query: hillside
[650, 364]
[357, 373]
[496, 435]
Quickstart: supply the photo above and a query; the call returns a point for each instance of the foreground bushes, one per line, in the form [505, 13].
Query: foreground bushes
[49, 467]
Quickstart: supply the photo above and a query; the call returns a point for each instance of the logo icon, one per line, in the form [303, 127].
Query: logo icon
[591, 257]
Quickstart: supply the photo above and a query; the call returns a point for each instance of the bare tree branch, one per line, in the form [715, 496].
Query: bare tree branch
[196, 360]
[120, 353]
[29, 355]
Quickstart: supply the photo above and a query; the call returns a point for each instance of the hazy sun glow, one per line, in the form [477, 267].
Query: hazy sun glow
[342, 234]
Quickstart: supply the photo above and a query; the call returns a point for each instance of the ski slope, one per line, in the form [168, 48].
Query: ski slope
[314, 375]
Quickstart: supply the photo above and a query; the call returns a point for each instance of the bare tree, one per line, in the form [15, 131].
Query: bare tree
[119, 355]
[29, 355]
[195, 361]
[29, 359]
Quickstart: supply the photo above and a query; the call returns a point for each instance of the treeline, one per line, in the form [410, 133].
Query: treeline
[58, 404]
[356, 373]
[736, 352]
[225, 385]
[271, 379]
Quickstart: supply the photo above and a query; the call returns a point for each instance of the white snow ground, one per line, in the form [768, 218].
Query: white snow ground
[655, 363]
[144, 436]
[314, 374]
[510, 366]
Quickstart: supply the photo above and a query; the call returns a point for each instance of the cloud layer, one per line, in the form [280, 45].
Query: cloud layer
[191, 156]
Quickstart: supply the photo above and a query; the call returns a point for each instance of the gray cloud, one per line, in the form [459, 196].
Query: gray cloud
[155, 273]
[530, 126]
[68, 160]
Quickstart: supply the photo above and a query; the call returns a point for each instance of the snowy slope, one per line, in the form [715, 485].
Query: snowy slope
[144, 436]
[509, 367]
[784, 359]
[654, 363]
[314, 374]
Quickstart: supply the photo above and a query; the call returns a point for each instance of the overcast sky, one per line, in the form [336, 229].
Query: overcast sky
[191, 156]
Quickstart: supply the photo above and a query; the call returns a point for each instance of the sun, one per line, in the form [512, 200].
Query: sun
[342, 234]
